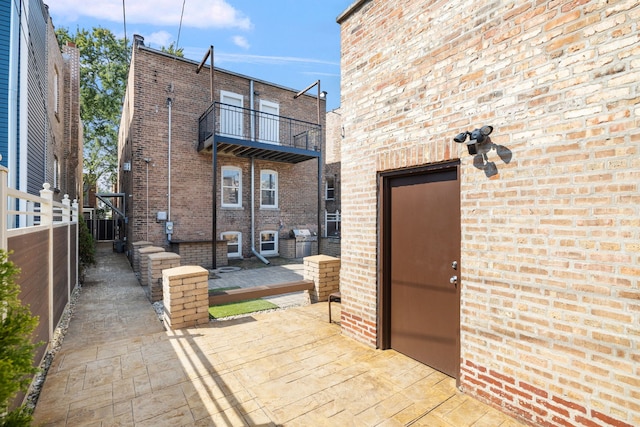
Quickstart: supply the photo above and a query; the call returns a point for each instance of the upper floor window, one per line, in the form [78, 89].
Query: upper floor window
[231, 114]
[231, 187]
[234, 243]
[56, 172]
[269, 123]
[268, 189]
[330, 188]
[56, 93]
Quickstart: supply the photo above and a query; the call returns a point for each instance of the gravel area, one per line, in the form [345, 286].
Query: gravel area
[56, 343]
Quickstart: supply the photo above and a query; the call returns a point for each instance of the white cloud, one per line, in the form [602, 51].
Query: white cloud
[197, 13]
[158, 39]
[241, 42]
[273, 60]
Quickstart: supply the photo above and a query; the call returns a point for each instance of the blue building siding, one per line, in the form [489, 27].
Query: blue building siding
[5, 40]
[37, 126]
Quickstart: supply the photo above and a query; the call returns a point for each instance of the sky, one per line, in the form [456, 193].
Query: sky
[291, 43]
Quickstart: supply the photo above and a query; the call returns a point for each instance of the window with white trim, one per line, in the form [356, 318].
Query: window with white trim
[269, 123]
[56, 172]
[268, 189]
[269, 242]
[330, 188]
[234, 243]
[231, 114]
[231, 190]
[56, 90]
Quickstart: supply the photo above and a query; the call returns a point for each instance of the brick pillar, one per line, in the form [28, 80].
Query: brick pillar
[156, 263]
[325, 272]
[221, 254]
[186, 296]
[144, 262]
[135, 255]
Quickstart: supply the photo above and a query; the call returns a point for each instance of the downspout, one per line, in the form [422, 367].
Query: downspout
[169, 171]
[253, 115]
[253, 219]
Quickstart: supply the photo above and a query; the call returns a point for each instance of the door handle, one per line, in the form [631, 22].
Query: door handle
[453, 280]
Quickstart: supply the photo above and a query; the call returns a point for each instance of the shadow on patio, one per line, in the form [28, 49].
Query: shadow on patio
[118, 366]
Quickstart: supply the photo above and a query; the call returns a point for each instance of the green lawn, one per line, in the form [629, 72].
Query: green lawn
[237, 308]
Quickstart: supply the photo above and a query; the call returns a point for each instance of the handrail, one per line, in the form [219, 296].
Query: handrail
[235, 122]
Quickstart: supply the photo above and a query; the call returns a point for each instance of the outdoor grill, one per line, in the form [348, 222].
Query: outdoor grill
[304, 240]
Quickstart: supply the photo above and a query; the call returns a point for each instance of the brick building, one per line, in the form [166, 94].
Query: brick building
[508, 260]
[330, 243]
[267, 150]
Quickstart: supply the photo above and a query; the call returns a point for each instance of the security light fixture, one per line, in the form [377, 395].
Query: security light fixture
[476, 137]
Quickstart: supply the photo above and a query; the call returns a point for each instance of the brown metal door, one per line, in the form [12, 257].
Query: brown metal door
[424, 257]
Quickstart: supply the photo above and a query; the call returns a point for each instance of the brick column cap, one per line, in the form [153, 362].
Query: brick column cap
[151, 249]
[185, 271]
[163, 255]
[320, 258]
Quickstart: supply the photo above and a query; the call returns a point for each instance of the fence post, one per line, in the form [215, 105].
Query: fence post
[66, 209]
[46, 208]
[76, 260]
[74, 210]
[46, 218]
[4, 172]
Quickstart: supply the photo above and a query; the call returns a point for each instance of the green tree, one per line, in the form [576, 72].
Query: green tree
[86, 248]
[16, 349]
[173, 51]
[104, 66]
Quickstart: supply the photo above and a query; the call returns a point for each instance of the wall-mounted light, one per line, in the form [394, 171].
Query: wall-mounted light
[476, 137]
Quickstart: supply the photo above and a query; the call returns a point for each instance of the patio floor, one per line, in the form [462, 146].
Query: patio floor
[118, 366]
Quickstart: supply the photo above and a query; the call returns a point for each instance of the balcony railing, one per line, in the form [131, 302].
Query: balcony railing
[228, 123]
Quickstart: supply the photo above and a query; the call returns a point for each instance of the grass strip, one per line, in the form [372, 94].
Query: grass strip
[238, 308]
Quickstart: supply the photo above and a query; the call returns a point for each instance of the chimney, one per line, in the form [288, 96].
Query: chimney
[138, 40]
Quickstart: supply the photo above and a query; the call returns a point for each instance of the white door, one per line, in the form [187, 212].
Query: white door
[269, 123]
[231, 116]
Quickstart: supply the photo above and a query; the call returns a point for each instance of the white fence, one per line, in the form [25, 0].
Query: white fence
[42, 238]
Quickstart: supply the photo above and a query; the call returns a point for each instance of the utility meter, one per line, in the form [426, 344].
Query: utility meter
[169, 227]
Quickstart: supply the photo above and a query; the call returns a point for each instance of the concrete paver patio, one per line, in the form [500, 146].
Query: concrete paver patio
[118, 366]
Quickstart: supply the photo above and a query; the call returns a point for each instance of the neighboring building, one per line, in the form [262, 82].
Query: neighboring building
[514, 269]
[268, 146]
[40, 132]
[331, 186]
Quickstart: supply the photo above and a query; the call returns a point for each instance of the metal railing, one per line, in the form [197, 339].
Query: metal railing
[252, 125]
[332, 224]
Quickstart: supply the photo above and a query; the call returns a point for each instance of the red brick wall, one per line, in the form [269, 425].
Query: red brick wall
[550, 253]
[154, 77]
[64, 119]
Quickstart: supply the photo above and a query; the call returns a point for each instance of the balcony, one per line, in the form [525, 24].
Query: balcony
[248, 133]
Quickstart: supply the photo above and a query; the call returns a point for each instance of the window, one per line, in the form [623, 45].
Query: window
[269, 123]
[231, 114]
[268, 189]
[234, 243]
[56, 172]
[330, 188]
[269, 243]
[332, 224]
[56, 93]
[231, 187]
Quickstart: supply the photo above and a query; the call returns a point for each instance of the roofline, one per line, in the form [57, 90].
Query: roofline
[217, 69]
[350, 10]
